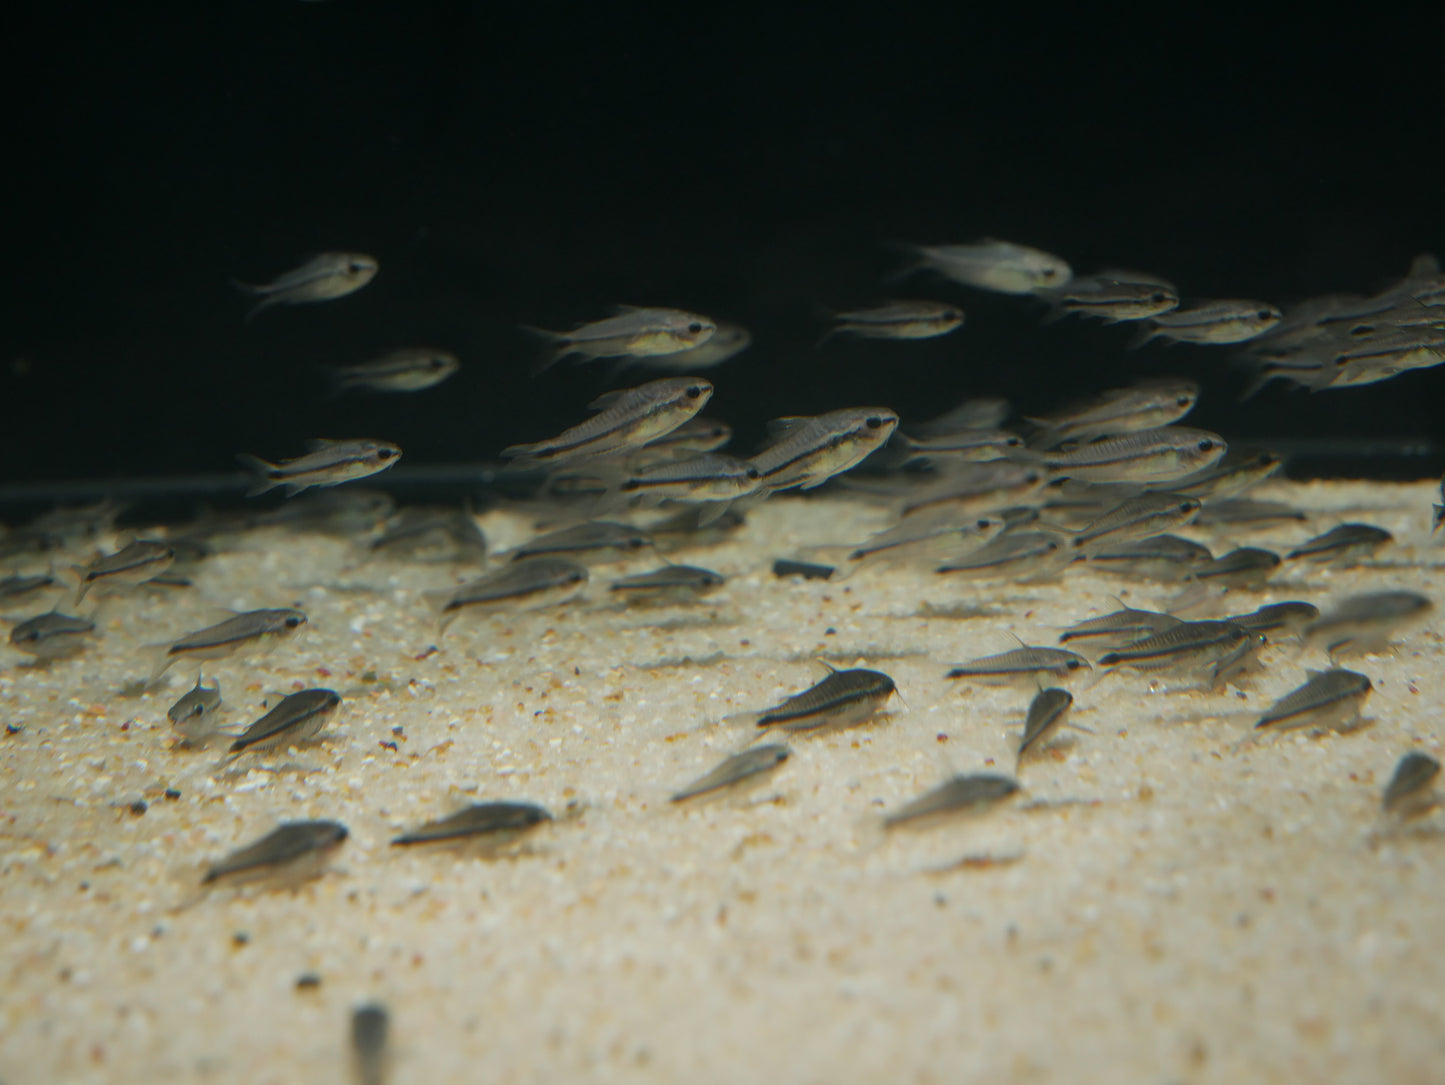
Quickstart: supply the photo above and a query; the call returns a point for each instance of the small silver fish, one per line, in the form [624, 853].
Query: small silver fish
[1165, 454]
[1046, 715]
[966, 445]
[1143, 406]
[1188, 646]
[1001, 266]
[15, 588]
[337, 513]
[1246, 567]
[369, 1027]
[1364, 623]
[749, 766]
[843, 699]
[1021, 665]
[432, 534]
[971, 794]
[1437, 512]
[631, 332]
[708, 476]
[536, 582]
[807, 452]
[927, 537]
[1166, 558]
[1328, 700]
[625, 419]
[977, 488]
[596, 541]
[1342, 546]
[1229, 321]
[1410, 792]
[900, 320]
[322, 278]
[294, 851]
[1020, 555]
[296, 719]
[697, 434]
[410, 369]
[489, 824]
[983, 413]
[1111, 296]
[328, 463]
[132, 564]
[252, 629]
[1277, 617]
[191, 715]
[1240, 511]
[1138, 517]
[1121, 628]
[670, 582]
[52, 636]
[727, 341]
[1230, 477]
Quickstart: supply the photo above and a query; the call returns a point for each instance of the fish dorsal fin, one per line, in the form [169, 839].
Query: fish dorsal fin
[608, 399]
[779, 426]
[827, 666]
[316, 444]
[1423, 265]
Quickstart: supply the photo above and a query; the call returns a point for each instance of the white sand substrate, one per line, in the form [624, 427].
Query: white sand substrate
[1161, 904]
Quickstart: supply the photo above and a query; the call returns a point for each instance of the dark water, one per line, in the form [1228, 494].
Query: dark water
[510, 165]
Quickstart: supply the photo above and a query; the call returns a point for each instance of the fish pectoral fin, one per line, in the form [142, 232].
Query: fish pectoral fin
[607, 399]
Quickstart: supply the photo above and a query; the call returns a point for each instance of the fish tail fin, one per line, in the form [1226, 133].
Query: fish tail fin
[917, 260]
[1147, 334]
[556, 346]
[261, 469]
[337, 382]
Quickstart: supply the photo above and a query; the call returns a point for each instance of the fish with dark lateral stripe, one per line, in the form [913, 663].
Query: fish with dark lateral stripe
[1046, 715]
[671, 582]
[1277, 617]
[132, 564]
[1154, 455]
[750, 766]
[1329, 699]
[596, 541]
[807, 451]
[52, 635]
[535, 582]
[294, 851]
[1136, 518]
[625, 419]
[1246, 567]
[1411, 792]
[1342, 546]
[1118, 629]
[1186, 646]
[252, 629]
[961, 795]
[1015, 555]
[297, 718]
[192, 714]
[900, 320]
[1365, 622]
[1164, 558]
[843, 699]
[326, 463]
[1021, 665]
[1147, 405]
[490, 824]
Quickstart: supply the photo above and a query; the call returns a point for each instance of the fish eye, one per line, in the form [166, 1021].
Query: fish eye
[635, 542]
[383, 453]
[292, 622]
[1158, 299]
[873, 422]
[951, 314]
[753, 472]
[1264, 314]
[695, 328]
[1032, 476]
[573, 578]
[693, 392]
[1186, 506]
[1206, 445]
[1073, 664]
[437, 363]
[1013, 442]
[1184, 401]
[356, 267]
[1048, 273]
[984, 525]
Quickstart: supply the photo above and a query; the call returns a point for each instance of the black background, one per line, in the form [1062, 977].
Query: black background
[535, 164]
